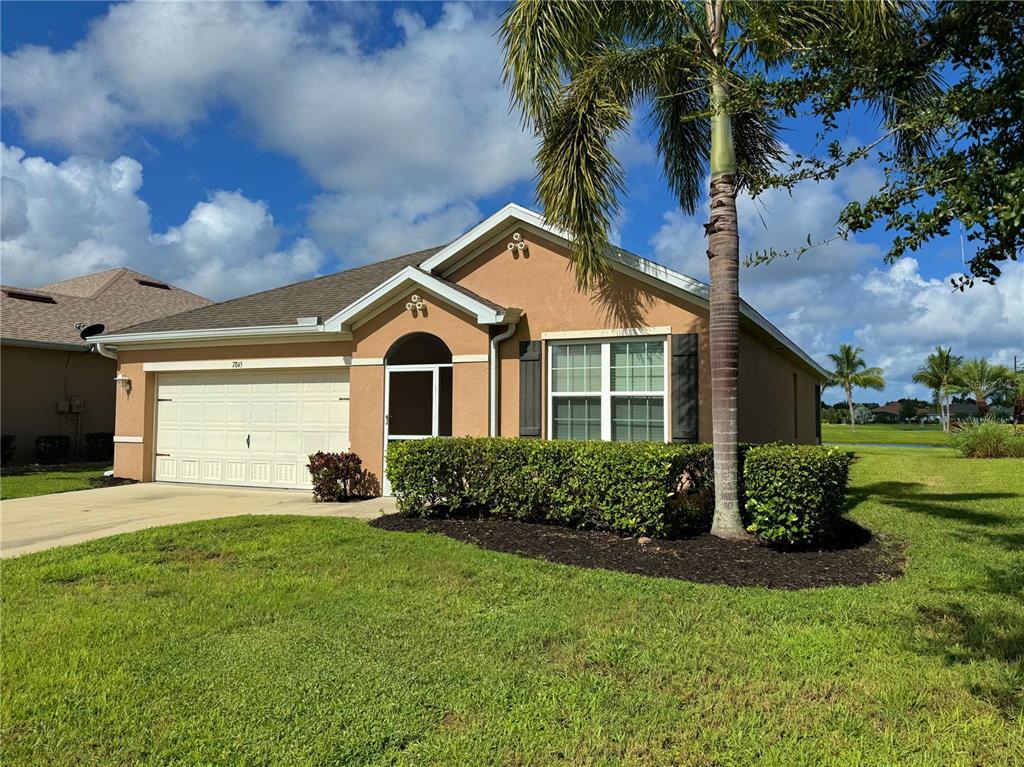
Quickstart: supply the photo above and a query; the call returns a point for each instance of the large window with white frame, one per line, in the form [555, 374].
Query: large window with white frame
[610, 389]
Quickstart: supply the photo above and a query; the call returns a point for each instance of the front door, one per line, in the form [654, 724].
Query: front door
[417, 405]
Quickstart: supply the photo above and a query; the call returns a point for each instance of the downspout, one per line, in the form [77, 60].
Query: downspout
[102, 349]
[505, 334]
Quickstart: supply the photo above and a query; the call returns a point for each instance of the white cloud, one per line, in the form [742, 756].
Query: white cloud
[422, 127]
[844, 291]
[85, 215]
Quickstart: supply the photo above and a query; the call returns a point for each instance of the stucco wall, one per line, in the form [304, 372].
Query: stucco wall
[32, 381]
[371, 342]
[542, 283]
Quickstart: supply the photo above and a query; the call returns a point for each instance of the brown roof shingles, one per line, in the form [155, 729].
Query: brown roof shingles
[114, 298]
[320, 297]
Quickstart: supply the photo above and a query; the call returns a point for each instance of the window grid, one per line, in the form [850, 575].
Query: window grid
[628, 404]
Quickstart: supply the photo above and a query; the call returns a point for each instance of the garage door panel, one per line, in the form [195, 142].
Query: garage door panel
[286, 415]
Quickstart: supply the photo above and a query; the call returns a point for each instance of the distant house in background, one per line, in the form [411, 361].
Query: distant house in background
[904, 411]
[887, 413]
[52, 381]
[961, 410]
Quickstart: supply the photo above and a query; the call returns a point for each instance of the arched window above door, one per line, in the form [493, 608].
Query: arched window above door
[419, 349]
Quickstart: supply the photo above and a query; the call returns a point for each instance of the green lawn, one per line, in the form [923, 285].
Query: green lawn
[884, 434]
[23, 485]
[301, 641]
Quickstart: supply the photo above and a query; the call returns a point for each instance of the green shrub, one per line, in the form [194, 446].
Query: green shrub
[635, 489]
[794, 493]
[6, 448]
[52, 448]
[336, 476]
[975, 438]
[99, 446]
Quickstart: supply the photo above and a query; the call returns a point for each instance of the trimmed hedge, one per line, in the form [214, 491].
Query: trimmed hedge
[794, 493]
[52, 448]
[99, 446]
[645, 488]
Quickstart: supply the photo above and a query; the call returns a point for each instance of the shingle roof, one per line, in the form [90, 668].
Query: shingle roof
[320, 297]
[114, 298]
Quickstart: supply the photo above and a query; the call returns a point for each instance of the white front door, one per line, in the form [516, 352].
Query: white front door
[252, 428]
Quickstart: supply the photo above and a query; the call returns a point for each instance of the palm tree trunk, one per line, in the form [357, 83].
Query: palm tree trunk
[724, 266]
[982, 406]
[849, 405]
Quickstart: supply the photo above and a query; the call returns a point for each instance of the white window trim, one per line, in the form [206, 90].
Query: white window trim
[606, 394]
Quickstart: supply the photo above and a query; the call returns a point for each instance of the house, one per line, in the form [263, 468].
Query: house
[485, 335]
[52, 382]
[887, 413]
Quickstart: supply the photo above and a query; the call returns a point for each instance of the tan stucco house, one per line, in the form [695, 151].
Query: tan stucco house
[485, 335]
[52, 380]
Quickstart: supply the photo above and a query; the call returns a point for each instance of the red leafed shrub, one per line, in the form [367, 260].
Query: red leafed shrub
[336, 476]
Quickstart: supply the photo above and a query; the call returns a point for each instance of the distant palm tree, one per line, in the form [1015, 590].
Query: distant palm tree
[938, 374]
[982, 379]
[851, 371]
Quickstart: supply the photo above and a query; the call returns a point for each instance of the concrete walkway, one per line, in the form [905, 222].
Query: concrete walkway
[48, 521]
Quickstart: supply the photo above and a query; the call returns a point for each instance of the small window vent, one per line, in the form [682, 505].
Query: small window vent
[37, 297]
[153, 284]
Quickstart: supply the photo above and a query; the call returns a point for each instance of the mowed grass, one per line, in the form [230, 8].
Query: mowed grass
[884, 434]
[303, 641]
[22, 484]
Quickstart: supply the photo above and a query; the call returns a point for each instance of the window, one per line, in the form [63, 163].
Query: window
[611, 390]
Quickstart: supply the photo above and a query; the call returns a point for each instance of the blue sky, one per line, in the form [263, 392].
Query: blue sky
[234, 148]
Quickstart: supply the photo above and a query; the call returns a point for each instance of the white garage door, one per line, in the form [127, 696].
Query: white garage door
[249, 427]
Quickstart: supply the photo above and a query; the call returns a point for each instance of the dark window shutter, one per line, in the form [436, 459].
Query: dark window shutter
[529, 388]
[685, 387]
[817, 411]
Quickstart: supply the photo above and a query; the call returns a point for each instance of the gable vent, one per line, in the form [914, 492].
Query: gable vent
[37, 297]
[153, 284]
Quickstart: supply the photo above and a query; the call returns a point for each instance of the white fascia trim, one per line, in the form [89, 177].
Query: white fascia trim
[629, 263]
[562, 335]
[225, 334]
[389, 291]
[266, 363]
[118, 439]
[510, 211]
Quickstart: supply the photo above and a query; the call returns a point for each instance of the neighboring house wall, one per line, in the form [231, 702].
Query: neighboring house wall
[33, 381]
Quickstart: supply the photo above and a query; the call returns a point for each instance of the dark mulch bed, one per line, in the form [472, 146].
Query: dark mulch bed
[111, 481]
[861, 559]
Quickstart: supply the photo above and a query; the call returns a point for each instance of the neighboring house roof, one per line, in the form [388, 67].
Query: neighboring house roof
[892, 408]
[335, 299]
[115, 298]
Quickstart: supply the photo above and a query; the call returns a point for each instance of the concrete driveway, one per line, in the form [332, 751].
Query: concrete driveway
[47, 521]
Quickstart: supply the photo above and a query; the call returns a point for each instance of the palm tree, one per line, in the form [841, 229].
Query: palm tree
[938, 374]
[852, 372]
[981, 379]
[579, 71]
